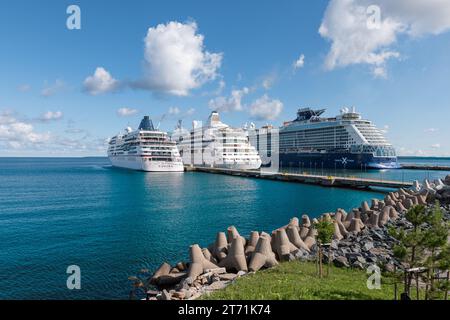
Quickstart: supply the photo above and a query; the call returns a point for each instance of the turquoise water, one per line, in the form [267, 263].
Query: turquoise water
[58, 212]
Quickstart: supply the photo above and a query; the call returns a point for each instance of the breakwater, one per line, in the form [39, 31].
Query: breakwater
[360, 239]
[425, 167]
[328, 181]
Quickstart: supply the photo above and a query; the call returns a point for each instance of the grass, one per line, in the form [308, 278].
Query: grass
[298, 281]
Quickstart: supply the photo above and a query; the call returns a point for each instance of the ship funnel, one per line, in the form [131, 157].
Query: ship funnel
[146, 124]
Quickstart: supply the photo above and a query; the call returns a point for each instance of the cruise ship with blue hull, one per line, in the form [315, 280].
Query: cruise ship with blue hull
[343, 142]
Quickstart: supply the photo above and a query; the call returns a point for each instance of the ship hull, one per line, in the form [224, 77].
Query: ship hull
[341, 160]
[142, 164]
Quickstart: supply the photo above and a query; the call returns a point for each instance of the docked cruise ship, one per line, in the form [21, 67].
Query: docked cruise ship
[343, 142]
[216, 145]
[145, 149]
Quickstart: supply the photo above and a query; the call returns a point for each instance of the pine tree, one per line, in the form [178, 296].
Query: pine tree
[325, 232]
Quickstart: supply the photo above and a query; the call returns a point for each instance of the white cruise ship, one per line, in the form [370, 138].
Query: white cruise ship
[216, 145]
[145, 149]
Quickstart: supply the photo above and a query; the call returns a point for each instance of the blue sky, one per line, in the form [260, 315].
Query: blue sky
[236, 56]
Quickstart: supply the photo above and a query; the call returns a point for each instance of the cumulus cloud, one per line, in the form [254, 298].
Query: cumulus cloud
[358, 39]
[431, 130]
[176, 60]
[52, 89]
[100, 82]
[299, 63]
[266, 108]
[51, 115]
[125, 112]
[269, 81]
[231, 103]
[16, 133]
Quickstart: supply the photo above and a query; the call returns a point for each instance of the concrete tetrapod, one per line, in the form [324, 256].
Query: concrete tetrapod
[337, 232]
[310, 239]
[384, 216]
[342, 228]
[365, 206]
[393, 214]
[263, 255]
[233, 233]
[374, 220]
[198, 262]
[281, 244]
[294, 238]
[254, 237]
[305, 221]
[235, 259]
[356, 225]
[164, 269]
[220, 246]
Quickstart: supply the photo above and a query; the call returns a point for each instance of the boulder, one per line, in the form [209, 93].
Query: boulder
[341, 261]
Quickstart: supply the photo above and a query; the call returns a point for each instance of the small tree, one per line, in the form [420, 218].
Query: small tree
[435, 241]
[409, 250]
[325, 232]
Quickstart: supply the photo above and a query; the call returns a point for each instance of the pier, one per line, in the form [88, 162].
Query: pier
[328, 181]
[425, 167]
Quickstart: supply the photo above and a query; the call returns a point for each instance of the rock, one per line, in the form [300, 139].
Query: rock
[165, 295]
[216, 270]
[241, 273]
[180, 294]
[219, 285]
[228, 276]
[357, 265]
[367, 246]
[341, 261]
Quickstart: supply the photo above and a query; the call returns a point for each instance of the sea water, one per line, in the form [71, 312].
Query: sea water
[57, 212]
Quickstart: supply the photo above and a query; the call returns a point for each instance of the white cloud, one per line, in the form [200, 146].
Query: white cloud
[16, 134]
[51, 115]
[266, 108]
[174, 110]
[176, 59]
[100, 82]
[299, 63]
[52, 89]
[232, 103]
[431, 130]
[345, 24]
[125, 112]
[436, 146]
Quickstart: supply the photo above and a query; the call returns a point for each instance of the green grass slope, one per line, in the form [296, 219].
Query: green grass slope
[298, 281]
